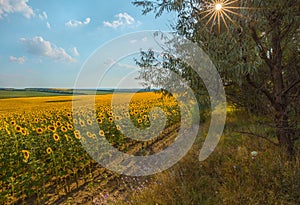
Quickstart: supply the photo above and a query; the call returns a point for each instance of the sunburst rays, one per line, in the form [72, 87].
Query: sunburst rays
[220, 11]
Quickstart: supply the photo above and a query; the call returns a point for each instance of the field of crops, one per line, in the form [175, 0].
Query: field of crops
[41, 155]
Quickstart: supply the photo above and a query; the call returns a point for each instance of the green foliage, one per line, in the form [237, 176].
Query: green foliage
[255, 49]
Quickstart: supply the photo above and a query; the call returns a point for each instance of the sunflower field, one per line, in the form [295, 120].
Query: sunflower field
[41, 154]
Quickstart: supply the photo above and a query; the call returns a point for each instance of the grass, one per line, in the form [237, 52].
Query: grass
[231, 175]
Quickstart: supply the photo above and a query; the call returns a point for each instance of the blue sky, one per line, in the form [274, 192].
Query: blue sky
[45, 43]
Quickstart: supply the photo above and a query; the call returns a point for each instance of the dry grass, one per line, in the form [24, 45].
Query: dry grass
[231, 175]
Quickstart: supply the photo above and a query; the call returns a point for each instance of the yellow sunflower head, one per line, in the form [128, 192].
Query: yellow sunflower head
[52, 128]
[39, 130]
[63, 129]
[118, 127]
[58, 123]
[99, 120]
[24, 132]
[70, 127]
[77, 134]
[101, 133]
[18, 128]
[89, 122]
[56, 137]
[49, 150]
[26, 154]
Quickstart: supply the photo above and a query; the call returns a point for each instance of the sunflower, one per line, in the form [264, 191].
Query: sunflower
[39, 130]
[63, 129]
[75, 121]
[99, 120]
[70, 127]
[118, 118]
[56, 137]
[88, 134]
[89, 122]
[24, 132]
[26, 154]
[81, 122]
[51, 128]
[58, 123]
[118, 127]
[49, 150]
[101, 116]
[140, 121]
[77, 134]
[18, 128]
[13, 122]
[101, 133]
[110, 119]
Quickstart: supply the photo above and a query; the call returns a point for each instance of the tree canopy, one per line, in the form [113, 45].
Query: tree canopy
[255, 46]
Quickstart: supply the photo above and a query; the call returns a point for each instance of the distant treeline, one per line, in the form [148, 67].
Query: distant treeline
[78, 91]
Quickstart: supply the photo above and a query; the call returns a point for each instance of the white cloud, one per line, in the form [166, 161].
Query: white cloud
[87, 21]
[40, 47]
[15, 6]
[128, 19]
[122, 20]
[19, 60]
[43, 15]
[48, 25]
[75, 51]
[75, 23]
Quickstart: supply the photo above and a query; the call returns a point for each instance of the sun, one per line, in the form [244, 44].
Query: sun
[220, 11]
[218, 7]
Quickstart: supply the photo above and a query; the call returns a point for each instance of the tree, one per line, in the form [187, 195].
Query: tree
[255, 46]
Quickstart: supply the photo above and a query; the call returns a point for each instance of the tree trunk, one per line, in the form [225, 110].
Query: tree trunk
[283, 131]
[281, 103]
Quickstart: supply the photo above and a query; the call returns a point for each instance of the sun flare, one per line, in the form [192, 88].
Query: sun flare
[218, 7]
[220, 11]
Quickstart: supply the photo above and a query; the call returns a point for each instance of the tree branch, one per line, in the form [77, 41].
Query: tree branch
[263, 53]
[286, 30]
[263, 90]
[291, 86]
